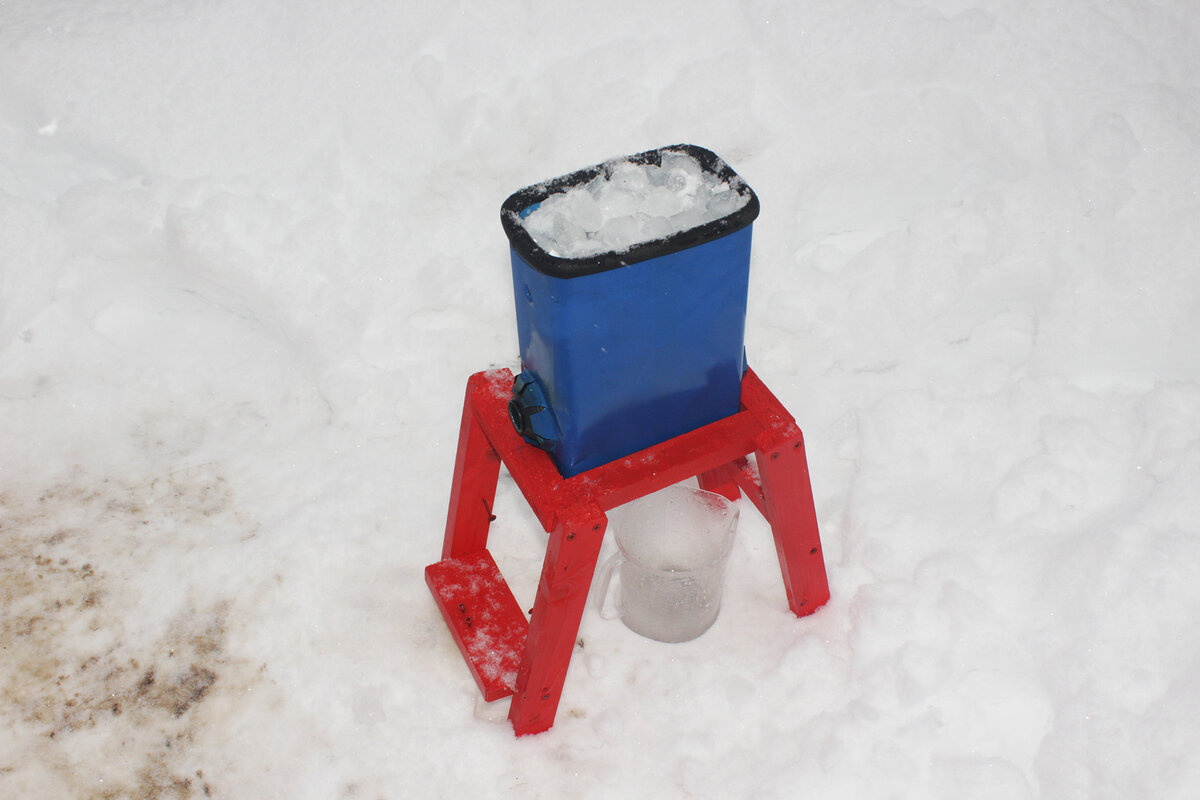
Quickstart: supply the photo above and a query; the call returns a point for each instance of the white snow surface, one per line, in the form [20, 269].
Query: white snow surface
[630, 204]
[250, 253]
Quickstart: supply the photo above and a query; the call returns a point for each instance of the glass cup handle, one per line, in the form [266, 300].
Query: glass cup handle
[606, 574]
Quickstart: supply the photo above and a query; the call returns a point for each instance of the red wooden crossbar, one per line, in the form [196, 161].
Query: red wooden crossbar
[477, 603]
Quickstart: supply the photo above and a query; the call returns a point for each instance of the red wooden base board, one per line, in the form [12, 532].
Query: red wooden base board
[484, 618]
[505, 654]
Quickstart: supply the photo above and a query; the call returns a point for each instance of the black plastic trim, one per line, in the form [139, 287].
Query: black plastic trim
[557, 267]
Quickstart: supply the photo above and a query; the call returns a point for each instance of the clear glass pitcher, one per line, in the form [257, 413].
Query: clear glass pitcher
[672, 548]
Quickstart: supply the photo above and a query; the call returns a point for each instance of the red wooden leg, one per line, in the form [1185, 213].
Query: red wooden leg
[721, 481]
[562, 595]
[787, 495]
[473, 492]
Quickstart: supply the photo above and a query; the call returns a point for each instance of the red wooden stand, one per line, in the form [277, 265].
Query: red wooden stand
[529, 659]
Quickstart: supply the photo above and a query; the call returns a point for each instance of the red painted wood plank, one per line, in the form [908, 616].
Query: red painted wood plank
[722, 481]
[617, 482]
[473, 490]
[484, 618]
[707, 448]
[562, 594]
[787, 495]
[746, 475]
[532, 469]
[777, 424]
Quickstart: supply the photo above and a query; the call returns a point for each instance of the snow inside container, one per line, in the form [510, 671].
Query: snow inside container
[630, 279]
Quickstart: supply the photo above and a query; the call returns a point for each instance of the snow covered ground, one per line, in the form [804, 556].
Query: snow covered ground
[250, 251]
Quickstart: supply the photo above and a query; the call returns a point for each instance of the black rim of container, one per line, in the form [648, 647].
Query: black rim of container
[558, 267]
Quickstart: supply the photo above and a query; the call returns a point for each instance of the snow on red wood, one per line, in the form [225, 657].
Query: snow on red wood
[484, 617]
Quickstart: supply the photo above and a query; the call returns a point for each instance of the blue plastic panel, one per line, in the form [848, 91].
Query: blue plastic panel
[634, 354]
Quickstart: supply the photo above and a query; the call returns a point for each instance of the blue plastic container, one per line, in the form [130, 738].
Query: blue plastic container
[621, 351]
